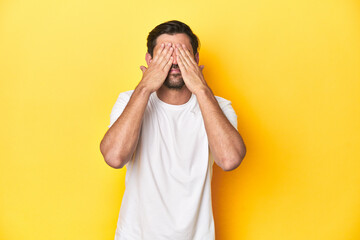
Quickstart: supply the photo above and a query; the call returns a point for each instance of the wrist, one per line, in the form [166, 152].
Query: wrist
[202, 90]
[143, 89]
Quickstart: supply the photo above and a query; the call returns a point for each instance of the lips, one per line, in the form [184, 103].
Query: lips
[175, 70]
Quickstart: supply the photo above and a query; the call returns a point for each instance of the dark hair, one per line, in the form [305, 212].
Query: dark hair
[171, 27]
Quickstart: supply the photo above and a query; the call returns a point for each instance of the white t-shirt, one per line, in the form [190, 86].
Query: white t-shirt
[168, 180]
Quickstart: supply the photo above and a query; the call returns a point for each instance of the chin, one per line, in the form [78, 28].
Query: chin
[174, 82]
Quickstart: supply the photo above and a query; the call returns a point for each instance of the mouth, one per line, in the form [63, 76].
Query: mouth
[175, 70]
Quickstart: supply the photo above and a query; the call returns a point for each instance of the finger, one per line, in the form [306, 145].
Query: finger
[181, 63]
[182, 53]
[166, 58]
[188, 53]
[178, 54]
[143, 68]
[159, 51]
[168, 64]
[163, 53]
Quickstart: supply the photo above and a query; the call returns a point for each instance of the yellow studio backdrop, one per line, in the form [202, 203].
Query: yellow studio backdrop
[290, 68]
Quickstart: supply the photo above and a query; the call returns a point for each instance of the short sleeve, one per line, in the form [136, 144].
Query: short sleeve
[228, 110]
[119, 107]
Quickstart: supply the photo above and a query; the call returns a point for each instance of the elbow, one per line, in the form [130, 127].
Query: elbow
[232, 162]
[114, 163]
[110, 158]
[229, 166]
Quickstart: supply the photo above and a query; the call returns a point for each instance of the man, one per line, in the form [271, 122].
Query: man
[168, 132]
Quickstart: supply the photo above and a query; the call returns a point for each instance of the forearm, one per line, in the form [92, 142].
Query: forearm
[120, 141]
[225, 142]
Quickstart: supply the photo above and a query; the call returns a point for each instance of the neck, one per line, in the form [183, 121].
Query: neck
[174, 96]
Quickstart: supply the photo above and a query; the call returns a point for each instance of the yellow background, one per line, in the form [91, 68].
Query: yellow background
[290, 68]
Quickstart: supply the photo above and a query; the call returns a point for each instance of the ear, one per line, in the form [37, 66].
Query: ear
[197, 57]
[148, 58]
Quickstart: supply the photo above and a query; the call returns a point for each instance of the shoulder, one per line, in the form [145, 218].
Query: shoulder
[228, 110]
[120, 104]
[126, 93]
[223, 101]
[122, 99]
[124, 96]
[225, 105]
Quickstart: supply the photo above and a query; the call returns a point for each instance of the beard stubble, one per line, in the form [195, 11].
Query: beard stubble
[174, 81]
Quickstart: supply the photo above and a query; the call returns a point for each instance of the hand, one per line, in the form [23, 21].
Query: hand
[158, 69]
[190, 71]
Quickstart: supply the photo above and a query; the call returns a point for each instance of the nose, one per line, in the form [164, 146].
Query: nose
[174, 55]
